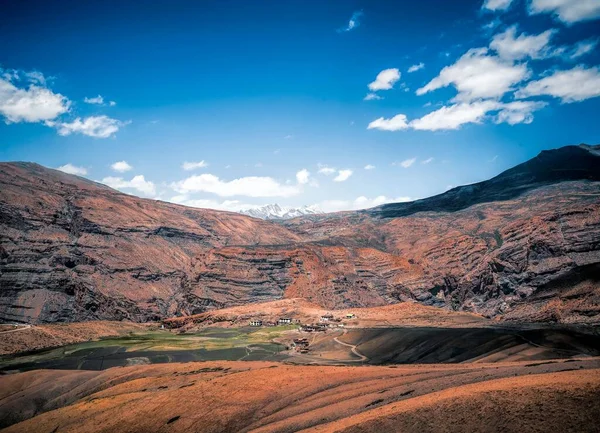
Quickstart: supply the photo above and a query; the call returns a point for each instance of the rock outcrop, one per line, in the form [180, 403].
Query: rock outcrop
[523, 246]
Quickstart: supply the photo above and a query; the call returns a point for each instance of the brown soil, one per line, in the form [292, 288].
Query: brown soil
[272, 397]
[37, 337]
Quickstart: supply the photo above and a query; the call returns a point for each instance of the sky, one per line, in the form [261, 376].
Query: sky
[341, 104]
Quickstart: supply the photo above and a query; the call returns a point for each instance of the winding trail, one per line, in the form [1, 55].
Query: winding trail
[21, 328]
[353, 349]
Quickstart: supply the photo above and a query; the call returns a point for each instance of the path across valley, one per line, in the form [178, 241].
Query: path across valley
[353, 349]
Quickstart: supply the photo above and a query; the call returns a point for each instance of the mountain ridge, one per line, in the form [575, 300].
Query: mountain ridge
[583, 164]
[72, 250]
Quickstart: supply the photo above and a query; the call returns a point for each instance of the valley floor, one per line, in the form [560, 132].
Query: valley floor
[400, 368]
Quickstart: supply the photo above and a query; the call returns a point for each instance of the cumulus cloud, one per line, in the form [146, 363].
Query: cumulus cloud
[385, 79]
[518, 112]
[496, 5]
[326, 170]
[121, 166]
[361, 202]
[112, 103]
[93, 126]
[251, 186]
[369, 167]
[23, 98]
[574, 85]
[510, 46]
[372, 97]
[454, 116]
[343, 175]
[225, 205]
[188, 166]
[73, 169]
[568, 11]
[396, 123]
[478, 75]
[415, 68]
[98, 100]
[137, 183]
[303, 176]
[353, 22]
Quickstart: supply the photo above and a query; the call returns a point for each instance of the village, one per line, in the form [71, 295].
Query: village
[301, 345]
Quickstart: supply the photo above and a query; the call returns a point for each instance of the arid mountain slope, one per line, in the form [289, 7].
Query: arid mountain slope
[270, 397]
[73, 250]
[524, 245]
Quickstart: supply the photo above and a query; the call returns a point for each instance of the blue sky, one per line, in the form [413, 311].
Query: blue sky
[295, 102]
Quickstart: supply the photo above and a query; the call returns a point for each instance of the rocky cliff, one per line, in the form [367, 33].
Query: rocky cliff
[523, 246]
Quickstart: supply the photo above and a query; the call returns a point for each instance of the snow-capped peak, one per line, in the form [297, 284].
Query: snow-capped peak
[274, 211]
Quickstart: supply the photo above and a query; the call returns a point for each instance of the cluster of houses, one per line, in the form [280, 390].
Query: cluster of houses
[282, 321]
[325, 321]
[317, 327]
[300, 345]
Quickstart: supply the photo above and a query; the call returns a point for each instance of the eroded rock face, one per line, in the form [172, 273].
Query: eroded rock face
[71, 249]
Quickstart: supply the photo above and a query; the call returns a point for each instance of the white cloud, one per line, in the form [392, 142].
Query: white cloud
[73, 169]
[98, 100]
[406, 163]
[477, 75]
[93, 126]
[518, 112]
[251, 186]
[343, 175]
[574, 85]
[568, 11]
[452, 117]
[427, 161]
[372, 97]
[354, 21]
[512, 47]
[226, 205]
[496, 5]
[361, 202]
[137, 183]
[188, 166]
[582, 48]
[121, 166]
[33, 103]
[326, 170]
[369, 167]
[112, 103]
[415, 68]
[396, 123]
[385, 79]
[303, 176]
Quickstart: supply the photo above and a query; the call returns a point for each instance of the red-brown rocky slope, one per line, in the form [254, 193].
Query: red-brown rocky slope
[524, 246]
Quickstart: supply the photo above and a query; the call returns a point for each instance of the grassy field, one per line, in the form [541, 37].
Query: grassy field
[157, 346]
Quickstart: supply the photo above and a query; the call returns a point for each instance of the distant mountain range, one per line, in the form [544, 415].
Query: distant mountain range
[276, 212]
